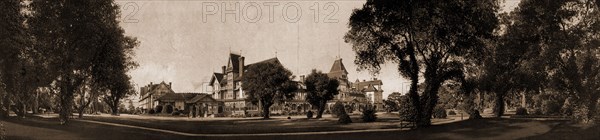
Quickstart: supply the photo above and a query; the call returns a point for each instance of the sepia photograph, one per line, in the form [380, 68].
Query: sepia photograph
[299, 69]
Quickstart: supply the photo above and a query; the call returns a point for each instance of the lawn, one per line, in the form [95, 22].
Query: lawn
[489, 128]
[252, 125]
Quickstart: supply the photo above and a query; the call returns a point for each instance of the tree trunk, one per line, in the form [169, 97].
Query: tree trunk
[66, 102]
[4, 109]
[593, 102]
[499, 105]
[81, 112]
[321, 109]
[115, 109]
[430, 100]
[266, 113]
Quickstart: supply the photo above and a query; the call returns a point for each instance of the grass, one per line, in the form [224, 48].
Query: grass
[250, 125]
[491, 128]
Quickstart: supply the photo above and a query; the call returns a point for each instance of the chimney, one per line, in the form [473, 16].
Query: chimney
[374, 79]
[302, 78]
[151, 84]
[170, 85]
[241, 66]
[223, 68]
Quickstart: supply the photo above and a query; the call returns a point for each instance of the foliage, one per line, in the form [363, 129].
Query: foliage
[433, 37]
[349, 108]
[550, 107]
[268, 83]
[158, 108]
[521, 111]
[407, 110]
[81, 40]
[451, 112]
[368, 114]
[390, 105]
[309, 114]
[344, 119]
[176, 113]
[338, 109]
[169, 109]
[320, 89]
[568, 107]
[439, 113]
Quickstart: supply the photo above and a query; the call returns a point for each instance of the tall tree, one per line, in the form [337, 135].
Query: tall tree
[320, 89]
[267, 83]
[429, 36]
[547, 45]
[77, 37]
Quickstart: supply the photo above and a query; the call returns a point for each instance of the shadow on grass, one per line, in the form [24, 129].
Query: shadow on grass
[569, 131]
[50, 128]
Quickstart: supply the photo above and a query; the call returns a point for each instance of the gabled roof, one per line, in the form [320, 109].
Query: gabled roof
[216, 76]
[274, 60]
[235, 61]
[201, 98]
[338, 66]
[370, 85]
[271, 60]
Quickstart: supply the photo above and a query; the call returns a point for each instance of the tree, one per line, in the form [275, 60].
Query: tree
[79, 38]
[320, 89]
[547, 45]
[433, 37]
[267, 83]
[390, 105]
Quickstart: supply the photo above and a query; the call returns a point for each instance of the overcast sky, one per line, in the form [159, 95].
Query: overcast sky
[185, 41]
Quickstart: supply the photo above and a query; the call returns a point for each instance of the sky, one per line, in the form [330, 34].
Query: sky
[185, 41]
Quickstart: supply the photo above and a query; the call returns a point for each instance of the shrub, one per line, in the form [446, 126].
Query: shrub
[176, 113]
[344, 119]
[349, 108]
[338, 109]
[451, 112]
[368, 114]
[568, 107]
[158, 109]
[407, 110]
[550, 107]
[390, 106]
[309, 114]
[521, 111]
[151, 111]
[537, 111]
[439, 113]
[169, 109]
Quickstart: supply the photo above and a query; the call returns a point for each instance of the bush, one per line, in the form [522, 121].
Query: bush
[344, 119]
[537, 112]
[338, 109]
[176, 113]
[439, 113]
[451, 112]
[158, 109]
[568, 107]
[309, 114]
[151, 111]
[407, 110]
[550, 107]
[368, 114]
[521, 111]
[169, 109]
[349, 108]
